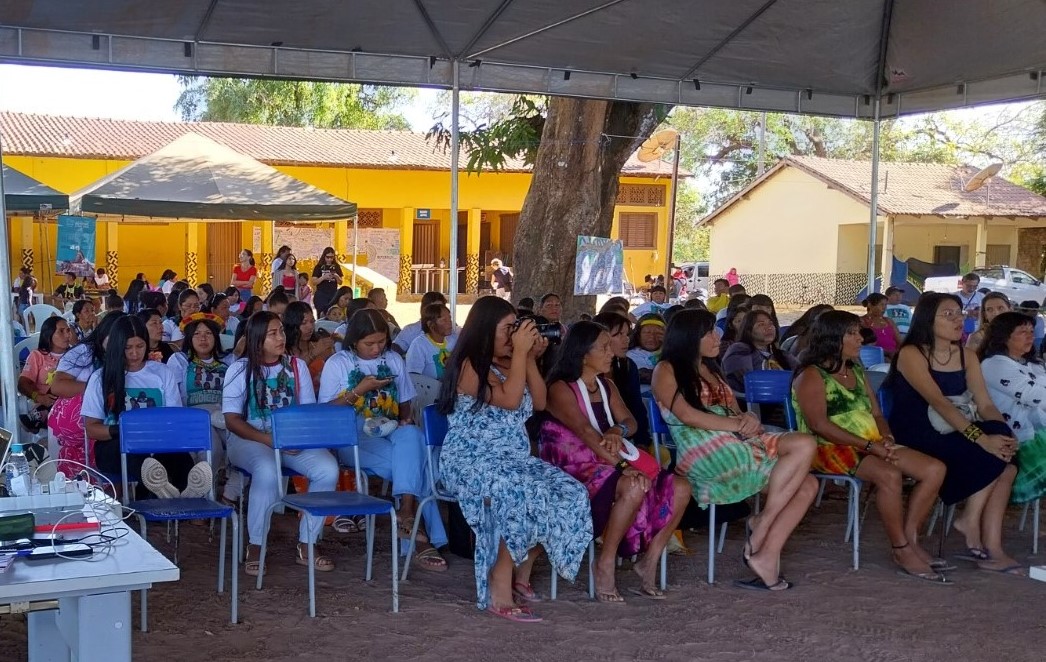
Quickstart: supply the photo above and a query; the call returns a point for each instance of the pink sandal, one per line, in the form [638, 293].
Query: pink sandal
[515, 614]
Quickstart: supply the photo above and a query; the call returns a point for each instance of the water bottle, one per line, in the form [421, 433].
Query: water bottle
[19, 477]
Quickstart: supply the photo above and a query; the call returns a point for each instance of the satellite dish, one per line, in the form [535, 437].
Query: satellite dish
[981, 177]
[654, 147]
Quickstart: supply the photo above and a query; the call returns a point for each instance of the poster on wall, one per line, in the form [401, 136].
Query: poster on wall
[379, 249]
[599, 267]
[75, 250]
[306, 241]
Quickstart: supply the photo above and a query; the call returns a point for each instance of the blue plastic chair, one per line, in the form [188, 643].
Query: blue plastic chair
[303, 427]
[661, 436]
[173, 430]
[435, 428]
[872, 355]
[764, 387]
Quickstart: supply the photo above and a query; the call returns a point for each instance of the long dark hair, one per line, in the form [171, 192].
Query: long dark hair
[806, 320]
[293, 317]
[173, 309]
[47, 330]
[150, 299]
[114, 364]
[254, 374]
[355, 305]
[342, 291]
[730, 334]
[134, 290]
[765, 301]
[576, 344]
[682, 351]
[920, 333]
[362, 324]
[745, 336]
[251, 303]
[190, 330]
[96, 338]
[825, 349]
[208, 289]
[214, 302]
[475, 345]
[613, 321]
[999, 331]
[168, 274]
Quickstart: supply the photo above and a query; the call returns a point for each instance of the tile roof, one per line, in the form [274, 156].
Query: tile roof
[926, 188]
[27, 134]
[916, 189]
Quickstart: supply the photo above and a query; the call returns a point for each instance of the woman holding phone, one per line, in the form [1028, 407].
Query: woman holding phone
[370, 377]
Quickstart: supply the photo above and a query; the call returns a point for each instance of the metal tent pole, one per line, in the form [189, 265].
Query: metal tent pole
[454, 146]
[355, 250]
[8, 363]
[874, 212]
[669, 284]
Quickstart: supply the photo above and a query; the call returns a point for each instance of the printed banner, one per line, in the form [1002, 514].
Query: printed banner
[75, 250]
[379, 249]
[306, 241]
[600, 266]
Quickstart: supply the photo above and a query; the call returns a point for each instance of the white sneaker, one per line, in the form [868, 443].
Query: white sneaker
[154, 477]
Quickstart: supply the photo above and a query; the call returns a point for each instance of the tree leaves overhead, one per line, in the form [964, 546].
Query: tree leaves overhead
[499, 132]
[293, 103]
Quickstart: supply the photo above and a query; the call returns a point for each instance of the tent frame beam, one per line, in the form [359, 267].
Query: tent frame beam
[723, 43]
[550, 26]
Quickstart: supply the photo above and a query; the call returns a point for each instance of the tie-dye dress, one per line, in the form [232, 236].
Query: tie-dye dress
[722, 466]
[850, 409]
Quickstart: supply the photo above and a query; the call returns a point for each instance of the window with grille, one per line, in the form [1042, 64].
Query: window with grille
[652, 195]
[637, 230]
[370, 218]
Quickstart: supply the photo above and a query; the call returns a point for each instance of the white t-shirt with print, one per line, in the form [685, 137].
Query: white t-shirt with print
[171, 332]
[426, 358]
[78, 362]
[344, 370]
[152, 386]
[199, 383]
[407, 335]
[645, 359]
[284, 386]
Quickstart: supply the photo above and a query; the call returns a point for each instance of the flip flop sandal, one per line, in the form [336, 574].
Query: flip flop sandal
[974, 555]
[430, 559]
[941, 565]
[610, 597]
[931, 577]
[346, 524]
[757, 584]
[251, 568]
[320, 563]
[405, 526]
[1008, 570]
[518, 614]
[526, 593]
[648, 592]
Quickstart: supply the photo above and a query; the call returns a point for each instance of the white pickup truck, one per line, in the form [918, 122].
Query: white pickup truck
[1016, 284]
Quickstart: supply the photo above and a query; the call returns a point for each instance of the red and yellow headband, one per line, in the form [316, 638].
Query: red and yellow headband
[196, 317]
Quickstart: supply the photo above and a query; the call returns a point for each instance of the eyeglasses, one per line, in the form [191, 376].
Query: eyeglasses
[948, 314]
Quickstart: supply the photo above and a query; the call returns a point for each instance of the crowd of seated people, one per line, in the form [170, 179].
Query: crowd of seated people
[564, 481]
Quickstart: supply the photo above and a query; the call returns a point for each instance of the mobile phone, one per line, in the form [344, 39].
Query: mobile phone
[74, 550]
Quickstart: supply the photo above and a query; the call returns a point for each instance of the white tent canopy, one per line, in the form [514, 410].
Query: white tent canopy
[829, 57]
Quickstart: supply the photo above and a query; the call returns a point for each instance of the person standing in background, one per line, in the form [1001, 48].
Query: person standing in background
[279, 261]
[326, 279]
[244, 274]
[732, 277]
[501, 279]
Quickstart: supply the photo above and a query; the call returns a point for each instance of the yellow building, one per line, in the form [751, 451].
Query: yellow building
[398, 180]
[800, 232]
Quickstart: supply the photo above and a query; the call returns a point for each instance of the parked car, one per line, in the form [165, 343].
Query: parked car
[1016, 284]
[697, 282]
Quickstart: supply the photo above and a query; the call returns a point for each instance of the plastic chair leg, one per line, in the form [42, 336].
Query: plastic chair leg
[414, 535]
[711, 544]
[237, 535]
[370, 546]
[591, 570]
[1035, 528]
[395, 562]
[820, 492]
[855, 501]
[264, 546]
[722, 537]
[664, 568]
[312, 578]
[221, 558]
[143, 620]
[1024, 516]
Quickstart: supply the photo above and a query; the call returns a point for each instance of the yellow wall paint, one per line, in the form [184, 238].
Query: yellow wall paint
[153, 247]
[775, 228]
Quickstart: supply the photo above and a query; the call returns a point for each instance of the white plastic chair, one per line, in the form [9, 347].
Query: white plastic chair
[427, 391]
[30, 343]
[328, 325]
[1034, 523]
[38, 312]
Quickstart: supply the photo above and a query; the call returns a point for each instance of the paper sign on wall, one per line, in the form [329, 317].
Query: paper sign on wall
[75, 250]
[599, 266]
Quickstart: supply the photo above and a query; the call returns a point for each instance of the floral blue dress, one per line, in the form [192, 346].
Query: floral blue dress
[486, 455]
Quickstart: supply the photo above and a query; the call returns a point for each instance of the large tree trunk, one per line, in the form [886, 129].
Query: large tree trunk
[573, 191]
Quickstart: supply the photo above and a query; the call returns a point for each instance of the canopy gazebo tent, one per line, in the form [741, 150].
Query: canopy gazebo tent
[850, 58]
[23, 194]
[194, 177]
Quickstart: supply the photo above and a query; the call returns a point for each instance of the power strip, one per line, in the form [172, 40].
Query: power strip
[67, 499]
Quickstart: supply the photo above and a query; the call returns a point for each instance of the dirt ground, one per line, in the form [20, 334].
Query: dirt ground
[833, 613]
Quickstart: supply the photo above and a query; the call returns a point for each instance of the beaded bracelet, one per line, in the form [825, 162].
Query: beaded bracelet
[972, 432]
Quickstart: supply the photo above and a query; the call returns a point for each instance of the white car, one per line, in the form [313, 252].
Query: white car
[1016, 284]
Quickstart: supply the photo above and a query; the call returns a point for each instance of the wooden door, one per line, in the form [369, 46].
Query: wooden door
[509, 223]
[223, 251]
[426, 244]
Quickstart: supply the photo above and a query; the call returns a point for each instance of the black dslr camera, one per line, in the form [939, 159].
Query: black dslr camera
[550, 331]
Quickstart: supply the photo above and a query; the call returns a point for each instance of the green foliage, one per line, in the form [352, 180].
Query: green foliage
[691, 242]
[497, 136]
[293, 103]
[721, 146]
